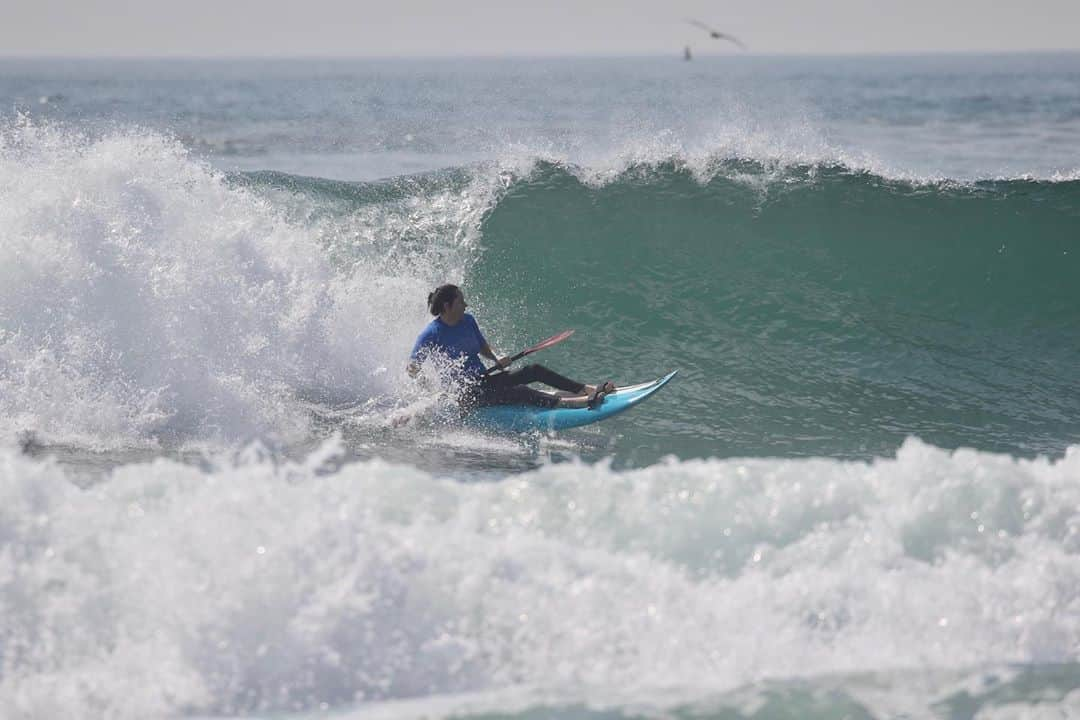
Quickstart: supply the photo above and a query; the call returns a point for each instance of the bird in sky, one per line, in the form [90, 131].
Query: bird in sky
[716, 33]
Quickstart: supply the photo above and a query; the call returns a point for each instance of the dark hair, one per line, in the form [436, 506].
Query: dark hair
[443, 294]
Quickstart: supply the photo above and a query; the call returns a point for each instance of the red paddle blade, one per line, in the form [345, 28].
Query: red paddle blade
[553, 340]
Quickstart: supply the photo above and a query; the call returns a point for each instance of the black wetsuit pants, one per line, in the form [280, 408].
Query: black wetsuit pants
[511, 388]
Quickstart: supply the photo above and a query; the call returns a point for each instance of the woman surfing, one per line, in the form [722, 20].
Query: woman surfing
[455, 334]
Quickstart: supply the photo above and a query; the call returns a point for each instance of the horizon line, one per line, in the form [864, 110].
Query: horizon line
[677, 54]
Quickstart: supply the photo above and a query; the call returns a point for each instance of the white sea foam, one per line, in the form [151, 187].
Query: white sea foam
[266, 585]
[143, 297]
[775, 147]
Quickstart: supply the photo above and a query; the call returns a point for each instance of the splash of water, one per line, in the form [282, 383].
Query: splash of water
[263, 585]
[145, 298]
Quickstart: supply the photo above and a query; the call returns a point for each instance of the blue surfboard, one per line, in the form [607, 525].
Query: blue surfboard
[518, 418]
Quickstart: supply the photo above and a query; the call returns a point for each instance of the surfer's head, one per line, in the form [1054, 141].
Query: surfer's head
[444, 298]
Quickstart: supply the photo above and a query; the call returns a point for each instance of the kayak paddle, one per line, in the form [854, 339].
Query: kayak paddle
[543, 344]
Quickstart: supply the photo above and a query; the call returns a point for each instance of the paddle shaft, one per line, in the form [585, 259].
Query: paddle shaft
[543, 344]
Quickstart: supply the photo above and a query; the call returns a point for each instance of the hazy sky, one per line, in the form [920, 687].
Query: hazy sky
[501, 27]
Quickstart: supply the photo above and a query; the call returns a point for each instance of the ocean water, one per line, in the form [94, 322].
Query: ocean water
[221, 495]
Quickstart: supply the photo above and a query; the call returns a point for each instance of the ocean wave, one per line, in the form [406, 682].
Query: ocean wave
[517, 172]
[811, 309]
[149, 299]
[256, 584]
[146, 298]
[760, 171]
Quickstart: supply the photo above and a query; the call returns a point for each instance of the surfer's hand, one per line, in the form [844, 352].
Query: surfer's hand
[503, 362]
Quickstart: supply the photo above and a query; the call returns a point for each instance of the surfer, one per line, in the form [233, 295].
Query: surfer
[455, 333]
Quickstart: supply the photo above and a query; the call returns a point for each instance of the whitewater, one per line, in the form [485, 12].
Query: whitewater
[221, 495]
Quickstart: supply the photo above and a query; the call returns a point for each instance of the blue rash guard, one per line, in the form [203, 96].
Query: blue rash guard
[463, 339]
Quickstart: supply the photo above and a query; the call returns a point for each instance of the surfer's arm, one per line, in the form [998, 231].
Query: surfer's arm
[420, 348]
[487, 352]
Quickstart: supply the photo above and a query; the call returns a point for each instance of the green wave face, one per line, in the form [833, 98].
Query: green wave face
[810, 311]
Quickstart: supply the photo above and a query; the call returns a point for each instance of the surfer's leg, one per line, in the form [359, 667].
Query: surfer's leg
[502, 394]
[497, 390]
[539, 373]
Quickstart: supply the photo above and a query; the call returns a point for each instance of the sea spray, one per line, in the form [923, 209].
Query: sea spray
[145, 298]
[263, 585]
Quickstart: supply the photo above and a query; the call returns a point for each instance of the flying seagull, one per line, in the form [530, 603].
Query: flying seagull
[716, 33]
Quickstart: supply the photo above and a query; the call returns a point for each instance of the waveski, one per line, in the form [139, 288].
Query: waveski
[518, 418]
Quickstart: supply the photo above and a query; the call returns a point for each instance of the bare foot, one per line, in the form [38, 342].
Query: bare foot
[607, 387]
[592, 401]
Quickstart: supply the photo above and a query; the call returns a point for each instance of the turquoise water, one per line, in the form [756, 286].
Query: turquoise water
[221, 495]
[811, 310]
